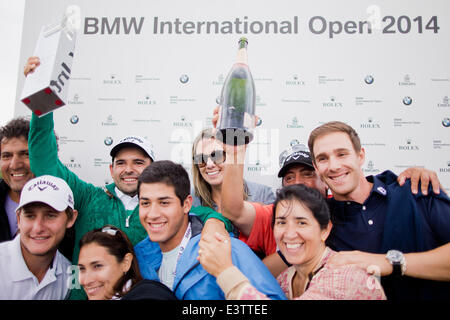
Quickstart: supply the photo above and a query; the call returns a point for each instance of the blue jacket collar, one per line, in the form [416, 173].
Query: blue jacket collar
[149, 254]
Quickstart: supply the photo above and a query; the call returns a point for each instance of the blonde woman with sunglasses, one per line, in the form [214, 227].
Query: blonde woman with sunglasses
[208, 158]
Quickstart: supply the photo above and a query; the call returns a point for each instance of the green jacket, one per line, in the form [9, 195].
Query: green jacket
[96, 206]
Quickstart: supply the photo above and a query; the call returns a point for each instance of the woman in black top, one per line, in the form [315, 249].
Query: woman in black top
[108, 269]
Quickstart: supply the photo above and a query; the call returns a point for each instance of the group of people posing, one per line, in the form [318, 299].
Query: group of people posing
[329, 232]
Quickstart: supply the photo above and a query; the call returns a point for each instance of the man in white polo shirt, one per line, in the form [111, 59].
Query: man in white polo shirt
[31, 267]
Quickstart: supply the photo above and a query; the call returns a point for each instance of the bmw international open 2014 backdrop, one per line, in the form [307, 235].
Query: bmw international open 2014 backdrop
[155, 69]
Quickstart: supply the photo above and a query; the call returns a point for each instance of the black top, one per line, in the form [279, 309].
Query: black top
[149, 290]
[5, 232]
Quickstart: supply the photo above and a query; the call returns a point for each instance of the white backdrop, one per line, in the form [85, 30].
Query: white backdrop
[316, 66]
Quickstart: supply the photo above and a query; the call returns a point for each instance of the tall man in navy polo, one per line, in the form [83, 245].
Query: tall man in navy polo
[377, 216]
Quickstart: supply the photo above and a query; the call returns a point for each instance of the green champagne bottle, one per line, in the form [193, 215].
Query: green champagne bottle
[237, 102]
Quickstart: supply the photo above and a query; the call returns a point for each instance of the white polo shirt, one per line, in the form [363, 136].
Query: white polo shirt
[18, 283]
[129, 203]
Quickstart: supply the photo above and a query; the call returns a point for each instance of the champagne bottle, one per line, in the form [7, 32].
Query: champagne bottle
[237, 102]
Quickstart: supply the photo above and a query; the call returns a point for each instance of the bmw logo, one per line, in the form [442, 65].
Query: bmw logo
[74, 119]
[108, 141]
[294, 142]
[446, 122]
[184, 78]
[407, 101]
[368, 79]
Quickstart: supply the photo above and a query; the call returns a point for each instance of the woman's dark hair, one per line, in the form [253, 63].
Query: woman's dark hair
[117, 244]
[170, 173]
[309, 197]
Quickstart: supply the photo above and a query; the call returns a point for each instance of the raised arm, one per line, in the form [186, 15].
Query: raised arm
[43, 151]
[233, 206]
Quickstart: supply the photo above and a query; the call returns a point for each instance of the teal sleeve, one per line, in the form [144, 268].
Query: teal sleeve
[205, 213]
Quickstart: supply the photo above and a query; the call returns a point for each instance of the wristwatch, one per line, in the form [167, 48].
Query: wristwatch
[397, 259]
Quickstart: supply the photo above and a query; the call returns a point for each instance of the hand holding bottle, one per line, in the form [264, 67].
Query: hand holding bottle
[215, 118]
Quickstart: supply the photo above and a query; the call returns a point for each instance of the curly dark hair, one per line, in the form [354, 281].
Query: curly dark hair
[15, 128]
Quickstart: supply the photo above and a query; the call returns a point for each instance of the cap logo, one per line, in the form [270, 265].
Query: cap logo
[127, 139]
[296, 156]
[382, 190]
[42, 185]
[70, 199]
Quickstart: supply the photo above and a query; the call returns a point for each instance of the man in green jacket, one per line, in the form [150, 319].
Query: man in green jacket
[116, 203]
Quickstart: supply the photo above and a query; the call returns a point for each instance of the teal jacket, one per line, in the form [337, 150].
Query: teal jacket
[96, 206]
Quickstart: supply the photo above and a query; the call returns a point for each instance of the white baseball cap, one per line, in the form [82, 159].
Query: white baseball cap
[47, 189]
[134, 141]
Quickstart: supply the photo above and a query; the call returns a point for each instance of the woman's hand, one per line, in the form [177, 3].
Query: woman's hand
[215, 253]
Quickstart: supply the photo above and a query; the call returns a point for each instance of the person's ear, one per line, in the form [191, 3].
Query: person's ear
[187, 204]
[126, 263]
[71, 222]
[18, 215]
[326, 232]
[362, 156]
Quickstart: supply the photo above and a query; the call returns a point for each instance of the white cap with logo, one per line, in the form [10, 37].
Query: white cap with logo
[134, 141]
[47, 189]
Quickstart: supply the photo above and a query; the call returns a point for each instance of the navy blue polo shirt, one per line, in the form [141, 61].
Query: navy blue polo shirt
[393, 218]
[359, 226]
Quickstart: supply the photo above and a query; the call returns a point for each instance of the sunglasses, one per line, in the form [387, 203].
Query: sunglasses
[111, 230]
[217, 156]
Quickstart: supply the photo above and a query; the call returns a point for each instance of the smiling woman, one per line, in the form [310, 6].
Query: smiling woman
[207, 174]
[109, 269]
[301, 224]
